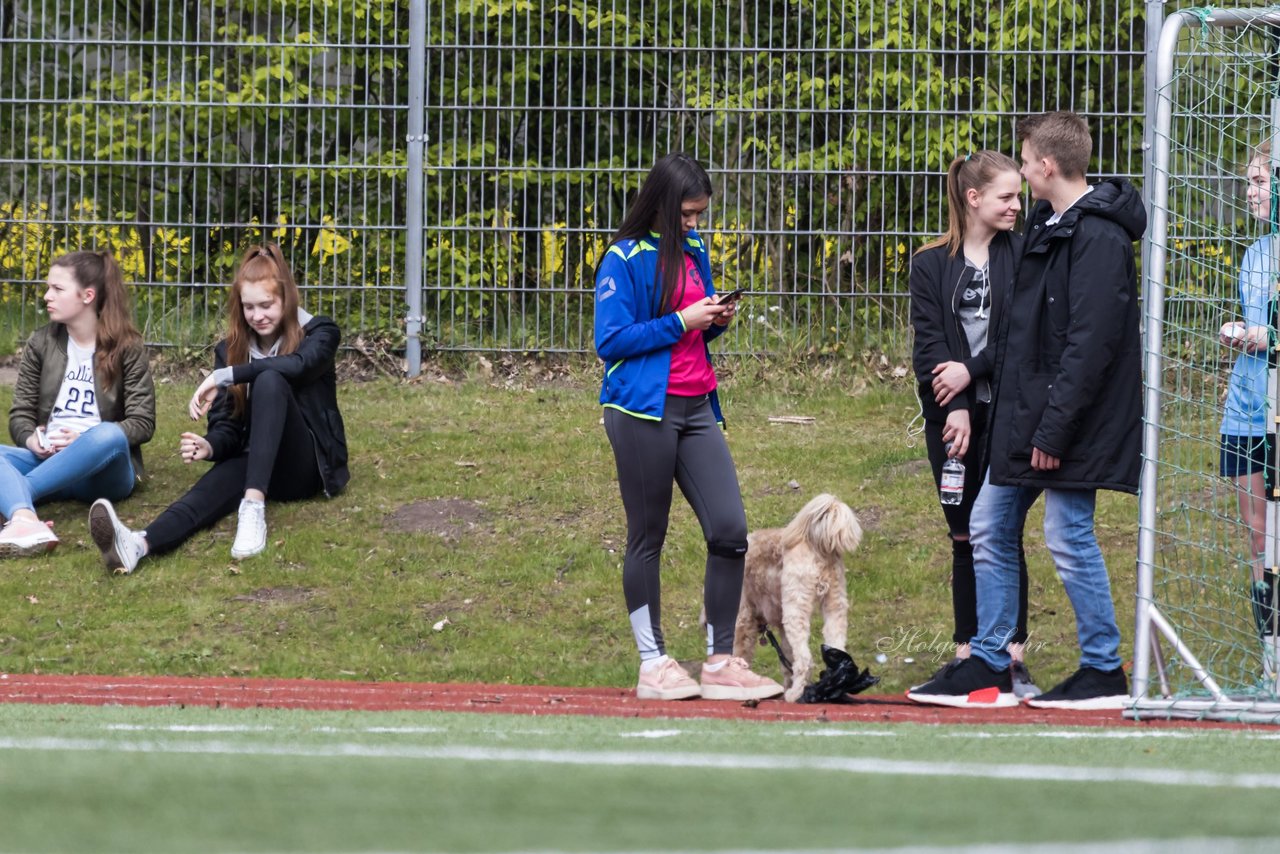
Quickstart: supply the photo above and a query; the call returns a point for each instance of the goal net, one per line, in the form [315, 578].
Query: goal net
[1206, 636]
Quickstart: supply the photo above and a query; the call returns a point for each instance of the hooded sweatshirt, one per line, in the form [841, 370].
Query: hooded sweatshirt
[1069, 351]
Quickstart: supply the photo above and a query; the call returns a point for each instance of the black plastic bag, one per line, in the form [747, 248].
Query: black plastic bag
[841, 678]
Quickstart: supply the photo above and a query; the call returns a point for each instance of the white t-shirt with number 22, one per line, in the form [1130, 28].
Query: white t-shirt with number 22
[76, 407]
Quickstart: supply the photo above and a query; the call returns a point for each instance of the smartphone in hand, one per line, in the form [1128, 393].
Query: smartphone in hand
[733, 296]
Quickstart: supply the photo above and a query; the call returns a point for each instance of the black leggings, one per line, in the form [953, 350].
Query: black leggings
[964, 593]
[686, 447]
[284, 470]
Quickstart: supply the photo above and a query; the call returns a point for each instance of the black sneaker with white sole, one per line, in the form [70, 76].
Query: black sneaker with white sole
[967, 683]
[941, 671]
[1088, 689]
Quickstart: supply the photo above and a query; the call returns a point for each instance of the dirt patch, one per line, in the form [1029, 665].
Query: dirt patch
[911, 468]
[869, 517]
[447, 517]
[264, 595]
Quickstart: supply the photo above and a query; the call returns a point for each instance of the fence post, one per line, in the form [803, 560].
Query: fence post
[413, 223]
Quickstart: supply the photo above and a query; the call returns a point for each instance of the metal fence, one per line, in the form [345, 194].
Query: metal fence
[178, 132]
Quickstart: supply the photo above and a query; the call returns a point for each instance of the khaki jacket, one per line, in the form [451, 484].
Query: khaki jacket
[129, 402]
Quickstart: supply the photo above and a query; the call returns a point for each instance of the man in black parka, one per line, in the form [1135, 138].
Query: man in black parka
[1067, 415]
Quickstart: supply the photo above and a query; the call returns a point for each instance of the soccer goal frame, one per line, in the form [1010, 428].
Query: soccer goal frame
[1192, 657]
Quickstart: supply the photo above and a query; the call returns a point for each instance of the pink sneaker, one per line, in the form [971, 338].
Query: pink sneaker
[24, 537]
[735, 681]
[667, 681]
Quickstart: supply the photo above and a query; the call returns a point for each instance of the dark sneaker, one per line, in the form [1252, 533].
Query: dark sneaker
[940, 672]
[1020, 676]
[967, 683]
[1088, 689]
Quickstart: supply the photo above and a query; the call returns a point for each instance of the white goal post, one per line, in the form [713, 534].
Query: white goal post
[1200, 647]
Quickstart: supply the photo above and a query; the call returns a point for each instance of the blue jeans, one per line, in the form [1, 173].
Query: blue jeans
[994, 528]
[96, 465]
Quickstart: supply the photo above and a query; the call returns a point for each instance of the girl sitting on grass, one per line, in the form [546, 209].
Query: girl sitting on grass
[274, 426]
[83, 405]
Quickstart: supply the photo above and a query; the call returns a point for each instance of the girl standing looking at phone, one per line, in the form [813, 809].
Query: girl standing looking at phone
[655, 312]
[83, 405]
[274, 426]
[958, 287]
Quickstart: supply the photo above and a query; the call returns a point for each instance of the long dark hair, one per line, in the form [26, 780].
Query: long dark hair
[116, 331]
[673, 180]
[973, 172]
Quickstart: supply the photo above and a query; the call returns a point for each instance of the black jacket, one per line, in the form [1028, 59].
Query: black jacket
[311, 375]
[1069, 351]
[936, 281]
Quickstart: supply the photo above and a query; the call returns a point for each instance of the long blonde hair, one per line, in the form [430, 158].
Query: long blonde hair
[263, 264]
[115, 330]
[972, 172]
[1261, 153]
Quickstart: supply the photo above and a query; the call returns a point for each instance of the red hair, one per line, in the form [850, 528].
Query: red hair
[264, 266]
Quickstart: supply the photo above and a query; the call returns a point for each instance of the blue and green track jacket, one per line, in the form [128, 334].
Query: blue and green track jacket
[633, 337]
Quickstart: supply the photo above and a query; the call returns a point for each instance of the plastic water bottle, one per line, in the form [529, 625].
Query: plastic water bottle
[951, 490]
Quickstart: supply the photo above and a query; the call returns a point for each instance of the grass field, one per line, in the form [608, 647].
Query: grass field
[123, 779]
[488, 499]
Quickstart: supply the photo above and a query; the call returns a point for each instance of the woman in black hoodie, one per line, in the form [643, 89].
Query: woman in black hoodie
[959, 284]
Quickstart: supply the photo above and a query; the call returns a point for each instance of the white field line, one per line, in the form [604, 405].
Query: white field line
[1084, 733]
[845, 733]
[329, 730]
[1120, 734]
[1118, 846]
[189, 728]
[1046, 773]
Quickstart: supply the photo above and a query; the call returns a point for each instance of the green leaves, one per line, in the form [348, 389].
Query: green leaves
[826, 126]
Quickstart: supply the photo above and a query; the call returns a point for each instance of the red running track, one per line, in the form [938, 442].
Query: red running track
[236, 693]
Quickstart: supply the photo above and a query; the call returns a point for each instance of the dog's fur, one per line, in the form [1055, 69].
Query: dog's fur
[789, 572]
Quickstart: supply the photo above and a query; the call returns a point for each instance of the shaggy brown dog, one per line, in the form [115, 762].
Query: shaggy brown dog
[789, 572]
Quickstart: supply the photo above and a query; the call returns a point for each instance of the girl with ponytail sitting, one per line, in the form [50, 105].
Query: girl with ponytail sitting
[83, 405]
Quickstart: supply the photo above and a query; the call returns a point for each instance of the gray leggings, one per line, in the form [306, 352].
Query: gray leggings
[686, 447]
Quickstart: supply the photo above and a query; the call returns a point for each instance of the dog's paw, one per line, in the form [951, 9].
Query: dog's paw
[792, 694]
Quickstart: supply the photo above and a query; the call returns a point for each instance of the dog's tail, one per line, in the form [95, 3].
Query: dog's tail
[827, 524]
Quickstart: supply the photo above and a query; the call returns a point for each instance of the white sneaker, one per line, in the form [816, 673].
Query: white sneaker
[1271, 663]
[121, 548]
[251, 529]
[24, 537]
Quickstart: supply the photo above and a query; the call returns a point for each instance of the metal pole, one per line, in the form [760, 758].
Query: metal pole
[1155, 21]
[1160, 119]
[413, 222]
